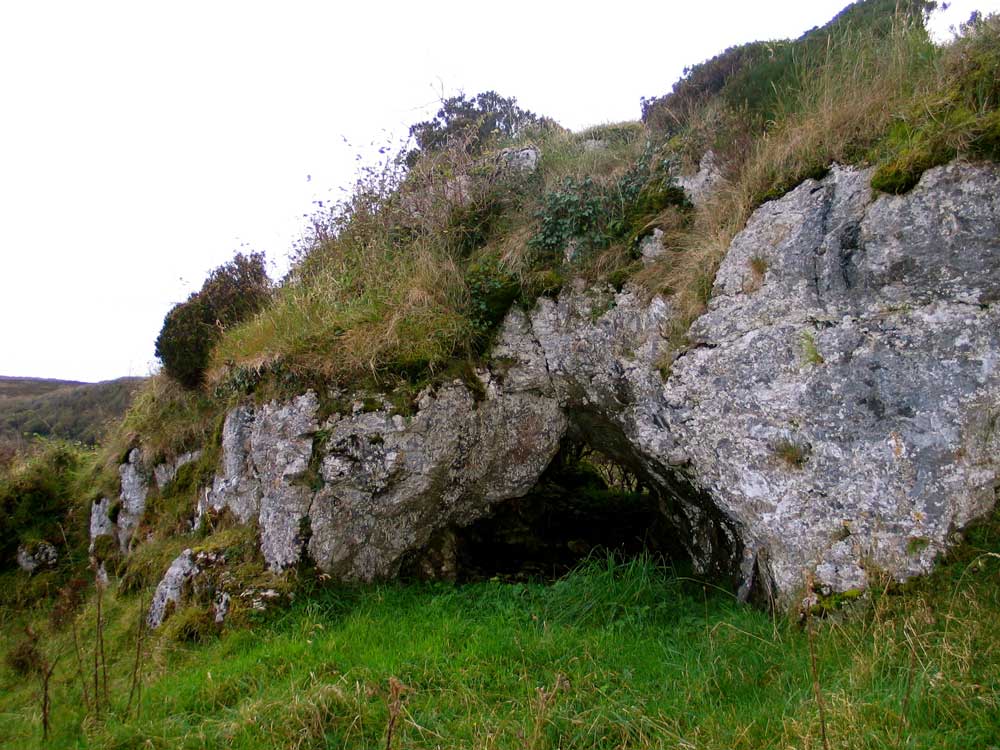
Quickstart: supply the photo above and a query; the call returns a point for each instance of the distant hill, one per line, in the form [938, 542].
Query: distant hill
[62, 408]
[20, 387]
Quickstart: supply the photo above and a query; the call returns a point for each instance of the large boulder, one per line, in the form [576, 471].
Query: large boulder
[840, 398]
[390, 484]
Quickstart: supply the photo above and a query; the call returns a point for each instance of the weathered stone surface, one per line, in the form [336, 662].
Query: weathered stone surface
[524, 159]
[390, 483]
[702, 184]
[100, 520]
[603, 351]
[367, 488]
[840, 409]
[32, 557]
[834, 416]
[166, 472]
[281, 442]
[651, 247]
[135, 487]
[236, 487]
[171, 590]
[265, 456]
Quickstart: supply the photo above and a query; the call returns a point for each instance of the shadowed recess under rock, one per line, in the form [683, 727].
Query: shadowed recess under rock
[585, 505]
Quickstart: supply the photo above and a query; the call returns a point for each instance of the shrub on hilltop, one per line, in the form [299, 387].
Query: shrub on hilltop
[232, 293]
[471, 121]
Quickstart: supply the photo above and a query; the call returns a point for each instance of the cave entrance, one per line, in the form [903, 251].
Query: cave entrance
[585, 504]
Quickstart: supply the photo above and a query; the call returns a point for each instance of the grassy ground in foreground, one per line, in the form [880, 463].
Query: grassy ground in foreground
[616, 655]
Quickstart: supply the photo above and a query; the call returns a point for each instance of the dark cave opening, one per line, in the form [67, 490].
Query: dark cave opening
[585, 504]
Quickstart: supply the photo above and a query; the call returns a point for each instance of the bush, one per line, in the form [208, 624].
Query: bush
[492, 291]
[576, 211]
[35, 495]
[595, 215]
[231, 294]
[471, 122]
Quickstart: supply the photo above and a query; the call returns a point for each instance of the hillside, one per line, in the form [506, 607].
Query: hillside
[62, 409]
[670, 433]
[13, 387]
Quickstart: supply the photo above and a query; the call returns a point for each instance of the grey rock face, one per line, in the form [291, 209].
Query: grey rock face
[236, 487]
[133, 496]
[171, 589]
[839, 409]
[523, 159]
[390, 483]
[603, 351]
[281, 445]
[265, 456]
[36, 556]
[100, 520]
[363, 490]
[702, 184]
[651, 247]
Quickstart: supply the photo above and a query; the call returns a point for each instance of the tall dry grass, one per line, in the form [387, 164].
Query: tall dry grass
[835, 112]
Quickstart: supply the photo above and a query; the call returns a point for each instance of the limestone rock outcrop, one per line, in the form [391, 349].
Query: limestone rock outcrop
[170, 591]
[834, 418]
[134, 489]
[360, 491]
[840, 397]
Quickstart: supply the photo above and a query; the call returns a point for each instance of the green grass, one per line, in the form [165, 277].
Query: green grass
[618, 654]
[44, 496]
[958, 115]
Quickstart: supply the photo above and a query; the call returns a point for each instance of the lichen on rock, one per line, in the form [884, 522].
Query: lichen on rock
[134, 489]
[839, 399]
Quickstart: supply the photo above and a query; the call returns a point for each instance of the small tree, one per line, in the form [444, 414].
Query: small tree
[232, 293]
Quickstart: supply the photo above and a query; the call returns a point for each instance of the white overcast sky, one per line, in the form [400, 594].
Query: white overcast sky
[143, 143]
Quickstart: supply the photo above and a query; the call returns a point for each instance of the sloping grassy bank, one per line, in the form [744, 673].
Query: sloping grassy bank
[617, 654]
